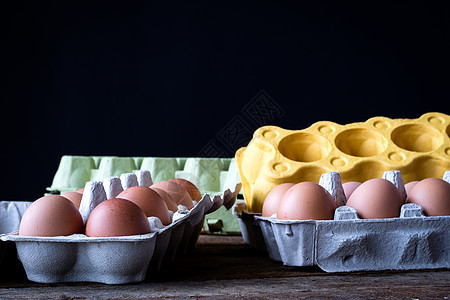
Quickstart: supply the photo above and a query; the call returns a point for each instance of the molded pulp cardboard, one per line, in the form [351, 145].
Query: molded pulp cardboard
[111, 260]
[347, 243]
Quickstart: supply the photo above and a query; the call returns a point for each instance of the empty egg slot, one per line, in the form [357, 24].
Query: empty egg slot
[417, 137]
[304, 147]
[361, 142]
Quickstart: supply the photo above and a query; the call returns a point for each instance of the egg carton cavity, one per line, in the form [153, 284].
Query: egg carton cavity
[113, 260]
[418, 148]
[210, 175]
[348, 243]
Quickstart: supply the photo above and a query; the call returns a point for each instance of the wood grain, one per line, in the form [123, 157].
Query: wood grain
[225, 267]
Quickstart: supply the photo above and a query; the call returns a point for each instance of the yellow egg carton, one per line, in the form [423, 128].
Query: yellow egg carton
[418, 148]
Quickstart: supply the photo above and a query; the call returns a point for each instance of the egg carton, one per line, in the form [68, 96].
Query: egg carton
[418, 148]
[11, 213]
[347, 243]
[210, 175]
[115, 260]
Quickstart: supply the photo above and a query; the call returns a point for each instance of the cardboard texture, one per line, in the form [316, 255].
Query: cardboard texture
[11, 213]
[111, 260]
[210, 175]
[418, 148]
[347, 243]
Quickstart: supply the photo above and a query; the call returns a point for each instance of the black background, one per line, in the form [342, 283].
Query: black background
[143, 78]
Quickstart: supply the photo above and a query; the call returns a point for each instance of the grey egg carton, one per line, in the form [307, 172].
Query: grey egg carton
[11, 213]
[113, 260]
[347, 243]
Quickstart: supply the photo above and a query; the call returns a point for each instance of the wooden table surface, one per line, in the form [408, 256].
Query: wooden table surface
[226, 267]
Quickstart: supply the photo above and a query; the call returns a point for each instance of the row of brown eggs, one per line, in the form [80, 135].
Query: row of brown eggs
[373, 199]
[432, 194]
[58, 215]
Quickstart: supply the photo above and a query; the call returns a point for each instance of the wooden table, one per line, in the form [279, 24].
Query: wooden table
[226, 267]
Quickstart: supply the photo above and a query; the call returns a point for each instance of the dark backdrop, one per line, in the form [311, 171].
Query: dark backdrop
[143, 78]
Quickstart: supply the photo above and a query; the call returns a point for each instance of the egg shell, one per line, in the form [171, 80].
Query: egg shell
[80, 190]
[51, 215]
[110, 259]
[171, 204]
[349, 187]
[433, 194]
[193, 191]
[74, 197]
[176, 191]
[360, 151]
[306, 201]
[270, 205]
[406, 242]
[117, 217]
[376, 199]
[213, 175]
[410, 185]
[149, 201]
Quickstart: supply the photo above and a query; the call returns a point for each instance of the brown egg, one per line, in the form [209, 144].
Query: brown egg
[433, 194]
[117, 217]
[51, 215]
[189, 187]
[74, 197]
[176, 191]
[270, 205]
[171, 204]
[149, 201]
[81, 191]
[376, 199]
[410, 185]
[306, 201]
[349, 187]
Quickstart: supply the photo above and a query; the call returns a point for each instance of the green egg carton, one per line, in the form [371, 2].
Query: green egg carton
[211, 175]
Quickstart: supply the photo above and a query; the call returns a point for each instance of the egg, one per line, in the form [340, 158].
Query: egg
[117, 217]
[81, 191]
[349, 187]
[270, 205]
[171, 204]
[149, 201]
[306, 201]
[193, 191]
[176, 191]
[74, 197]
[51, 215]
[410, 185]
[433, 194]
[376, 199]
